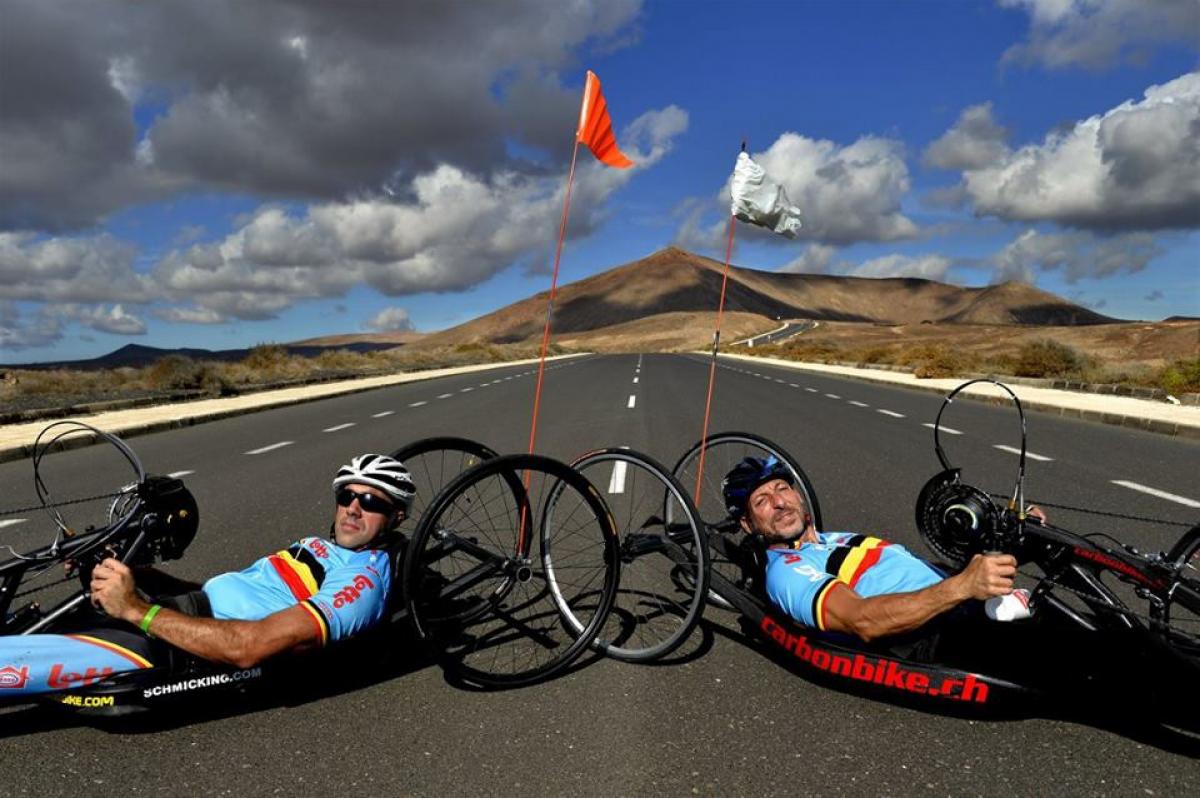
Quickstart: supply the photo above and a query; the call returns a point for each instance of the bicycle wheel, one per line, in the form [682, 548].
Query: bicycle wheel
[475, 582]
[433, 462]
[1177, 617]
[653, 613]
[722, 451]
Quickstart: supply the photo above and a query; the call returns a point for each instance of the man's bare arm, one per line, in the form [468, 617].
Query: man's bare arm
[238, 643]
[896, 613]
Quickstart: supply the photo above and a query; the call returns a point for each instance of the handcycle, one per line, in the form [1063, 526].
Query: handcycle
[495, 605]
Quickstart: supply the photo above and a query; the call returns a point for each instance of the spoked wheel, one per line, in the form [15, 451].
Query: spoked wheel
[434, 462]
[654, 611]
[722, 452]
[477, 573]
[1178, 617]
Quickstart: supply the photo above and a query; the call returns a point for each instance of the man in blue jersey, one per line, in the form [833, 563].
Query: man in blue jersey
[314, 592]
[843, 582]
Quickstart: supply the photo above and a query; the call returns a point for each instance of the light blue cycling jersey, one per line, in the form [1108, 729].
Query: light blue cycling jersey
[799, 580]
[344, 591]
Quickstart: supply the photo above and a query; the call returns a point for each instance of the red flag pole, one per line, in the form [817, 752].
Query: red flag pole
[562, 230]
[712, 369]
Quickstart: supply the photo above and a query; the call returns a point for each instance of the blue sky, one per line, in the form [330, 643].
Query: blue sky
[287, 171]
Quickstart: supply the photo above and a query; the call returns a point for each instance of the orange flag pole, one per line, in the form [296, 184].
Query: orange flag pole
[562, 230]
[594, 130]
[712, 369]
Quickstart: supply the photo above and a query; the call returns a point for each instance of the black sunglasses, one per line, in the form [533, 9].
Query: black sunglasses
[369, 502]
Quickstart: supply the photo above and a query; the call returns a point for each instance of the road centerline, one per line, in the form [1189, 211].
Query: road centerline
[1031, 455]
[270, 448]
[1161, 494]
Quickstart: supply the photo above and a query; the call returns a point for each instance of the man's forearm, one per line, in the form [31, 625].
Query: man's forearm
[230, 642]
[896, 613]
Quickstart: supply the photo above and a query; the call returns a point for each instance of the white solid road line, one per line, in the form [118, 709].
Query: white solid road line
[859, 404]
[386, 413]
[418, 404]
[271, 448]
[1162, 494]
[178, 474]
[632, 400]
[833, 396]
[11, 522]
[1028, 454]
[616, 483]
[339, 427]
[891, 413]
[944, 429]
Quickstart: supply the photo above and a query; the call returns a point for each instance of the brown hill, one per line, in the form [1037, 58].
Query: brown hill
[673, 281]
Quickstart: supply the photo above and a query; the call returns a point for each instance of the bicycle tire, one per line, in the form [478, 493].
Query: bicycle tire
[653, 611]
[1177, 617]
[722, 451]
[434, 462]
[471, 588]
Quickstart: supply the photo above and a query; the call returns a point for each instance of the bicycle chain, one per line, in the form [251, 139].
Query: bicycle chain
[35, 507]
[1102, 512]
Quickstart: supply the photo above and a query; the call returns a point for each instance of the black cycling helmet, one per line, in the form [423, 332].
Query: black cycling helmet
[745, 477]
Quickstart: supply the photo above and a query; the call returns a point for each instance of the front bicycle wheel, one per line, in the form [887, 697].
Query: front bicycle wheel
[1177, 617]
[433, 462]
[476, 580]
[722, 451]
[653, 612]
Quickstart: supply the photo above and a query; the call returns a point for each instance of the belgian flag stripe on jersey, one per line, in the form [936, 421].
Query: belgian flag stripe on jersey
[852, 560]
[818, 608]
[318, 618]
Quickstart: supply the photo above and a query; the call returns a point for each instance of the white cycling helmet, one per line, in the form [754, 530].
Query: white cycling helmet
[378, 471]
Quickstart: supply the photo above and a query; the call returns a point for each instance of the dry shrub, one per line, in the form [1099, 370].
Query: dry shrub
[1047, 358]
[874, 354]
[1182, 376]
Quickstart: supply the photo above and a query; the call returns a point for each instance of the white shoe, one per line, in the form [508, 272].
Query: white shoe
[1013, 607]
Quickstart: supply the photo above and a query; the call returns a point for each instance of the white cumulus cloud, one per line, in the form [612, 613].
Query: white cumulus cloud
[390, 320]
[1137, 166]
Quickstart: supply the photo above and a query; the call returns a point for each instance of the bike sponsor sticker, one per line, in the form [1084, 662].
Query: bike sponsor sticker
[60, 679]
[13, 678]
[200, 682]
[90, 701]
[882, 671]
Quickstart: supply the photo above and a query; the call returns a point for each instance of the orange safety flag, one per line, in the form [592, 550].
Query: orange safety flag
[595, 126]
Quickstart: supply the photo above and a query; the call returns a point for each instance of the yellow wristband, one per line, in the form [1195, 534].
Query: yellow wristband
[148, 617]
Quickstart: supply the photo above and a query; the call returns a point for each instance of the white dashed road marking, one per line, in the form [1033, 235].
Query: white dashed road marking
[178, 474]
[811, 390]
[944, 429]
[1028, 454]
[616, 483]
[418, 404]
[387, 413]
[833, 396]
[859, 404]
[339, 427]
[445, 396]
[11, 522]
[632, 400]
[1162, 494]
[271, 448]
[891, 413]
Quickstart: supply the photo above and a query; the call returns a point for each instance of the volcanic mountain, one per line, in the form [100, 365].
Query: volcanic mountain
[672, 289]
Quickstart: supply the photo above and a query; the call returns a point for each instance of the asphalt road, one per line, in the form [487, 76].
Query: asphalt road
[724, 719]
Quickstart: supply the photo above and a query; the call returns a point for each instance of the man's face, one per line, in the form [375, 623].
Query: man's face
[353, 526]
[776, 511]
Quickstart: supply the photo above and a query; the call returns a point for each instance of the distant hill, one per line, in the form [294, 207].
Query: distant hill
[137, 356]
[673, 281]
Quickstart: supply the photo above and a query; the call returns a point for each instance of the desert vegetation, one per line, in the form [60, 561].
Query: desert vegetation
[266, 365]
[1043, 357]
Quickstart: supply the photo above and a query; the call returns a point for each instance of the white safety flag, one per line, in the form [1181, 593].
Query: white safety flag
[759, 200]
